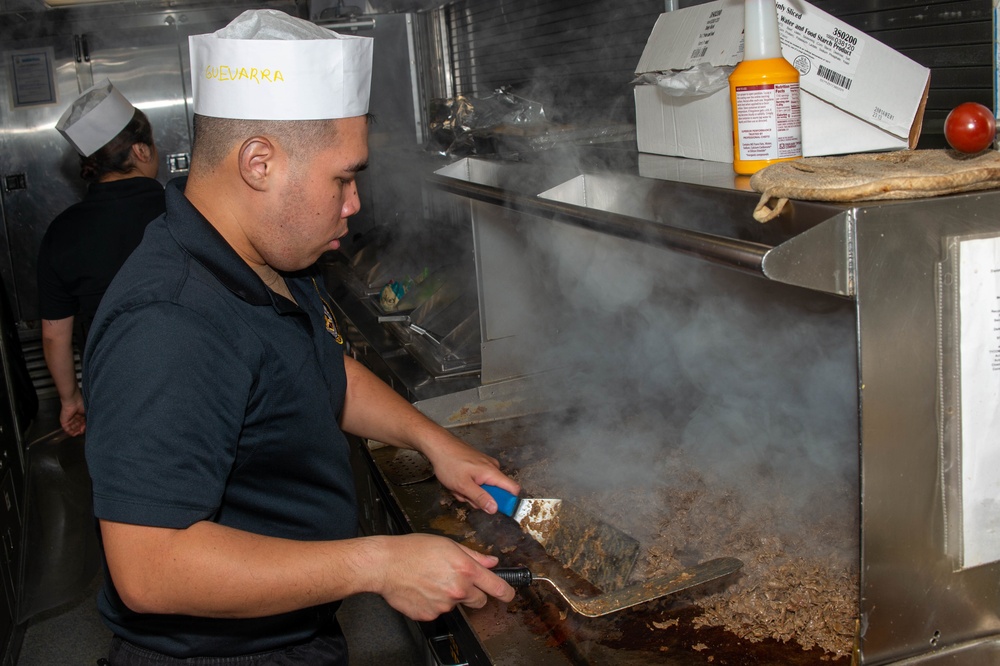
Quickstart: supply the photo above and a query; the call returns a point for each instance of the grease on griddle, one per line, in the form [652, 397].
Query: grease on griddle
[453, 526]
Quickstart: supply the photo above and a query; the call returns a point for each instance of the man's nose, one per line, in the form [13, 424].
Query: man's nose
[352, 202]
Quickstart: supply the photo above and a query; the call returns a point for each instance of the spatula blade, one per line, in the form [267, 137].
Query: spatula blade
[538, 517]
[596, 550]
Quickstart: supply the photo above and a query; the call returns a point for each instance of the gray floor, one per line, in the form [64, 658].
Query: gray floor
[73, 635]
[70, 634]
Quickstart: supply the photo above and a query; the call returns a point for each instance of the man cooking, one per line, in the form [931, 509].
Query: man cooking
[218, 392]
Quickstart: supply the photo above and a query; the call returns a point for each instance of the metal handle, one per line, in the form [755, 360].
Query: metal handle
[427, 334]
[515, 576]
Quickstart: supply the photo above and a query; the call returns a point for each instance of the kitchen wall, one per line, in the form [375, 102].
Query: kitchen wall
[142, 48]
[580, 56]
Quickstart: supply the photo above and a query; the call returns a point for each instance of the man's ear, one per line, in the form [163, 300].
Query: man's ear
[257, 158]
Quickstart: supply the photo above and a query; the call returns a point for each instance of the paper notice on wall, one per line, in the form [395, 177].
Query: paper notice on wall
[979, 316]
[33, 74]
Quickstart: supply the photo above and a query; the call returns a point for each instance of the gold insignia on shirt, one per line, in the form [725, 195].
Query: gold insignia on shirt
[328, 319]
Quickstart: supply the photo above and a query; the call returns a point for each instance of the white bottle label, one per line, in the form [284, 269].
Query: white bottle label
[768, 121]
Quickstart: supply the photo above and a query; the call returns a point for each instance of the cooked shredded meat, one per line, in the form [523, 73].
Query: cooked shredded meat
[797, 584]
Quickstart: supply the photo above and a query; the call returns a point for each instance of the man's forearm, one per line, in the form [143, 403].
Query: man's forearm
[213, 571]
[209, 570]
[372, 409]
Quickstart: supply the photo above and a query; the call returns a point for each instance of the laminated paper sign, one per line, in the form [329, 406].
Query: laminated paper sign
[979, 350]
[33, 76]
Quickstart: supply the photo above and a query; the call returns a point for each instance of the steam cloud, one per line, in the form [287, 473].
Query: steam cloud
[752, 382]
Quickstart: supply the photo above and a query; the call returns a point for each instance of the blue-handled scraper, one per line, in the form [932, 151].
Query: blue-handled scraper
[598, 552]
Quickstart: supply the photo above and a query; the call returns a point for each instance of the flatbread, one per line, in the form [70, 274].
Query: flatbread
[904, 174]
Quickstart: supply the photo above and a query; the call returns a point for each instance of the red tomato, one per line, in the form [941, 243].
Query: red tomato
[970, 127]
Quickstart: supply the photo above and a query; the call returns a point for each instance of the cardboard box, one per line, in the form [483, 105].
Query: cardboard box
[857, 94]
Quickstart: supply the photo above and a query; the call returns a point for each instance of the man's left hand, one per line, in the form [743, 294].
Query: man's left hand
[464, 470]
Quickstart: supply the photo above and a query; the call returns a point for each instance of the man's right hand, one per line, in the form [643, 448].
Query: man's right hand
[426, 576]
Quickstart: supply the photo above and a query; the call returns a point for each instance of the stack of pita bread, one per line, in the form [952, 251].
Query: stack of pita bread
[905, 174]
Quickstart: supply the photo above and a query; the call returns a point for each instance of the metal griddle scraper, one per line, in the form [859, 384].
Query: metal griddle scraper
[633, 595]
[598, 552]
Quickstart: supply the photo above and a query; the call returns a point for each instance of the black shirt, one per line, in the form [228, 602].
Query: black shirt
[88, 242]
[210, 397]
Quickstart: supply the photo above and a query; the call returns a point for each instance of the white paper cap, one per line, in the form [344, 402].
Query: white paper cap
[95, 118]
[267, 65]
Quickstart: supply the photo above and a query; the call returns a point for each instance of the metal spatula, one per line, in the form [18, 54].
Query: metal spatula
[600, 553]
[402, 467]
[633, 595]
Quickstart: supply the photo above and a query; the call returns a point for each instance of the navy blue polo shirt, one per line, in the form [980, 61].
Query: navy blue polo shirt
[210, 397]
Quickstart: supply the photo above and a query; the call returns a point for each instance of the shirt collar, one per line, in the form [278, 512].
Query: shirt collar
[202, 241]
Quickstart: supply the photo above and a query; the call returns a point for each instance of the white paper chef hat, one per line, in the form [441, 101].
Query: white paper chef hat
[95, 118]
[267, 65]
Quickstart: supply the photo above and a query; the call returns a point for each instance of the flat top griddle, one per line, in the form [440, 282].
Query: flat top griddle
[537, 627]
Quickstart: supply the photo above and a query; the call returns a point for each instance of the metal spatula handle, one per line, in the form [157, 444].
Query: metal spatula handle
[514, 576]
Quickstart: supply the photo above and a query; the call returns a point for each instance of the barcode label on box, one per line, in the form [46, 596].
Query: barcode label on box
[834, 77]
[703, 40]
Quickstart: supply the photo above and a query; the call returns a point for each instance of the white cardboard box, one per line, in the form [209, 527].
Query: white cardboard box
[857, 94]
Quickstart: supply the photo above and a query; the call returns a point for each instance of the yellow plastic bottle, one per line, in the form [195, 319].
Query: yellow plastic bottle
[764, 91]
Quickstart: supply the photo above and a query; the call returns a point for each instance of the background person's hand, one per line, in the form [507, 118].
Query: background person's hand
[72, 417]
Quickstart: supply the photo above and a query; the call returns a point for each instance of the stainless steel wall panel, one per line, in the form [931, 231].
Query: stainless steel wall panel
[913, 599]
[30, 145]
[143, 50]
[144, 65]
[390, 189]
[958, 36]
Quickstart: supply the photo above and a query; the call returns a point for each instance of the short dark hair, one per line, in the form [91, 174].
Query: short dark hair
[215, 137]
[116, 155]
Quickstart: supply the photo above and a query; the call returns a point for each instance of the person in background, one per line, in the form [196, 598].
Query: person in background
[87, 243]
[219, 393]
